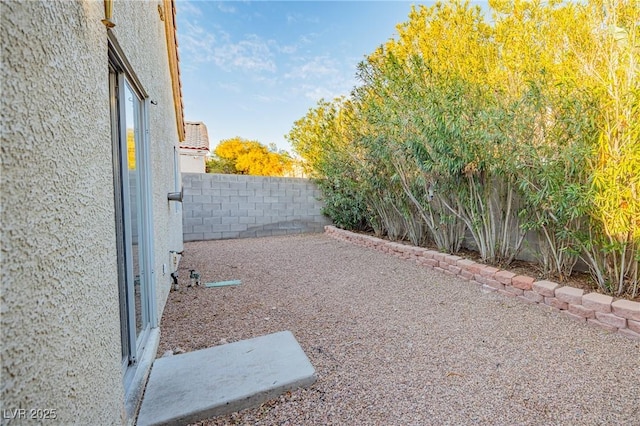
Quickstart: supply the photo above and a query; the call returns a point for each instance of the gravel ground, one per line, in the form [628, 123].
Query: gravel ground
[396, 344]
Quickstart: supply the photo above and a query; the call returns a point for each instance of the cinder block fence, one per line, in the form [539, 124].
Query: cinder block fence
[219, 206]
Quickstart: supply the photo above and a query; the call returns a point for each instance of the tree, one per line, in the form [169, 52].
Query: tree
[248, 157]
[530, 121]
[608, 57]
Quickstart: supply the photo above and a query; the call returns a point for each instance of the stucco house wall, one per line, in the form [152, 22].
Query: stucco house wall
[193, 161]
[60, 320]
[195, 147]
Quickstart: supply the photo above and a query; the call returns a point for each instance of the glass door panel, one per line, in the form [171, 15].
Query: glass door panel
[136, 204]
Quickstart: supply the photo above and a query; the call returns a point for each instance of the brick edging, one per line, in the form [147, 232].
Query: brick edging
[594, 309]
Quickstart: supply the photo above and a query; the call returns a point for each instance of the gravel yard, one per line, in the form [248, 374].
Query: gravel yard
[397, 344]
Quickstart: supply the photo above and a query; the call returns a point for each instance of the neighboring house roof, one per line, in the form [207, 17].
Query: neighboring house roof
[196, 136]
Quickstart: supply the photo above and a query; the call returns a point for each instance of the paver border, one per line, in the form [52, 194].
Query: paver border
[593, 309]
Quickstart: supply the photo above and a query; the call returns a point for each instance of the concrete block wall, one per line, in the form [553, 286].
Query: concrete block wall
[218, 206]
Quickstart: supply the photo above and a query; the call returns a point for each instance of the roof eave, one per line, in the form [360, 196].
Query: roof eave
[174, 64]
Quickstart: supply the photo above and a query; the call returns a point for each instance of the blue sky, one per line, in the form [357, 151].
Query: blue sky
[251, 69]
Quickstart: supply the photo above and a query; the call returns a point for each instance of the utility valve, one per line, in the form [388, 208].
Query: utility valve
[194, 277]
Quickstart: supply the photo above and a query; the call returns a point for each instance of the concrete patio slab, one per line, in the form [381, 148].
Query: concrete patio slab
[219, 380]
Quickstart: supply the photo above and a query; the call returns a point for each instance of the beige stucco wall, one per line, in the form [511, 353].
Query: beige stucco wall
[59, 300]
[60, 327]
[192, 163]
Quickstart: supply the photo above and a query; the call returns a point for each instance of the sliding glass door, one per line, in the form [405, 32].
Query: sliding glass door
[133, 211]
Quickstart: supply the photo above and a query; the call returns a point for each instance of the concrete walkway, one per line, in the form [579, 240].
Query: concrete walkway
[219, 380]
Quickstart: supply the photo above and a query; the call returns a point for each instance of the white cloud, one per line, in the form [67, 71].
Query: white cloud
[317, 67]
[226, 8]
[308, 38]
[230, 87]
[196, 43]
[293, 18]
[318, 90]
[286, 49]
[251, 54]
[269, 99]
[188, 8]
[315, 93]
[320, 77]
[270, 81]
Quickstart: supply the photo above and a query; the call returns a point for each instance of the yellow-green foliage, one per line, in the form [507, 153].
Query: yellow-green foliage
[241, 156]
[611, 68]
[529, 120]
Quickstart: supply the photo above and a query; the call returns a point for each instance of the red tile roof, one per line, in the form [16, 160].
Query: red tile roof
[196, 136]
